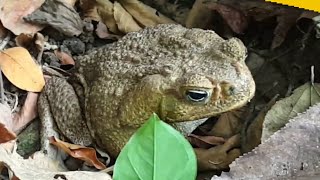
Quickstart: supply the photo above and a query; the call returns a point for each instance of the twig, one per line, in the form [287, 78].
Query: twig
[109, 169]
[5, 41]
[39, 57]
[15, 106]
[3, 44]
[312, 75]
[13, 103]
[1, 88]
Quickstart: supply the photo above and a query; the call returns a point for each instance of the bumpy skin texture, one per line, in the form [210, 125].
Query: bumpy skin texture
[291, 153]
[163, 70]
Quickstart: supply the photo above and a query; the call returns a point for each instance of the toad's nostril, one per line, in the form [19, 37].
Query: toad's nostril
[228, 89]
[231, 90]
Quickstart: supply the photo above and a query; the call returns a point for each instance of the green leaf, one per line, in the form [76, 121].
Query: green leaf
[302, 98]
[156, 152]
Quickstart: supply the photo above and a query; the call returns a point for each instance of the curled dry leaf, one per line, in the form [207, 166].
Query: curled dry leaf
[124, 20]
[218, 157]
[18, 66]
[230, 123]
[39, 41]
[33, 42]
[13, 11]
[6, 126]
[103, 33]
[64, 58]
[24, 40]
[105, 11]
[145, 15]
[58, 15]
[205, 141]
[84, 153]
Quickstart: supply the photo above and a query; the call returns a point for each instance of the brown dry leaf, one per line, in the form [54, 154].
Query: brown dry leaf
[39, 41]
[218, 157]
[145, 15]
[305, 21]
[103, 33]
[124, 20]
[24, 40]
[43, 167]
[286, 20]
[6, 126]
[205, 141]
[64, 58]
[3, 31]
[27, 113]
[105, 11]
[5, 134]
[229, 123]
[84, 153]
[200, 16]
[252, 136]
[30, 40]
[18, 66]
[89, 9]
[13, 11]
[233, 17]
[58, 15]
[261, 10]
[308, 15]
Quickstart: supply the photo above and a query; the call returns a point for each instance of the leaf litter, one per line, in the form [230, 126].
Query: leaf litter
[301, 99]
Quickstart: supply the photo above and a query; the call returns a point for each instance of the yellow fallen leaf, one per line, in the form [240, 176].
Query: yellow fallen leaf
[145, 15]
[18, 66]
[105, 11]
[302, 98]
[124, 20]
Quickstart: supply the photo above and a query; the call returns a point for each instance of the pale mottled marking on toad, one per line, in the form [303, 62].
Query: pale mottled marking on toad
[181, 74]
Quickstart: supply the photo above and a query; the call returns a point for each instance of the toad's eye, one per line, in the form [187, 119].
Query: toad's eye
[197, 95]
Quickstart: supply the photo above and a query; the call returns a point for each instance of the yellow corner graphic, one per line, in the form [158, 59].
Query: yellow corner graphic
[313, 5]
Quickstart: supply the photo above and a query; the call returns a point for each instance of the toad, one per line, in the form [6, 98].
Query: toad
[178, 73]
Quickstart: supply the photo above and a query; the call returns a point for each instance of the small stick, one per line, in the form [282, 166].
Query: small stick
[312, 75]
[5, 41]
[3, 44]
[1, 88]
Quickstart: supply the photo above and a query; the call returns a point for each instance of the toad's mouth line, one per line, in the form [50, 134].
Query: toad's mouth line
[187, 127]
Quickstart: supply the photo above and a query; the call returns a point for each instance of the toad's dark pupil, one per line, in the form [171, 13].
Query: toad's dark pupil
[197, 95]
